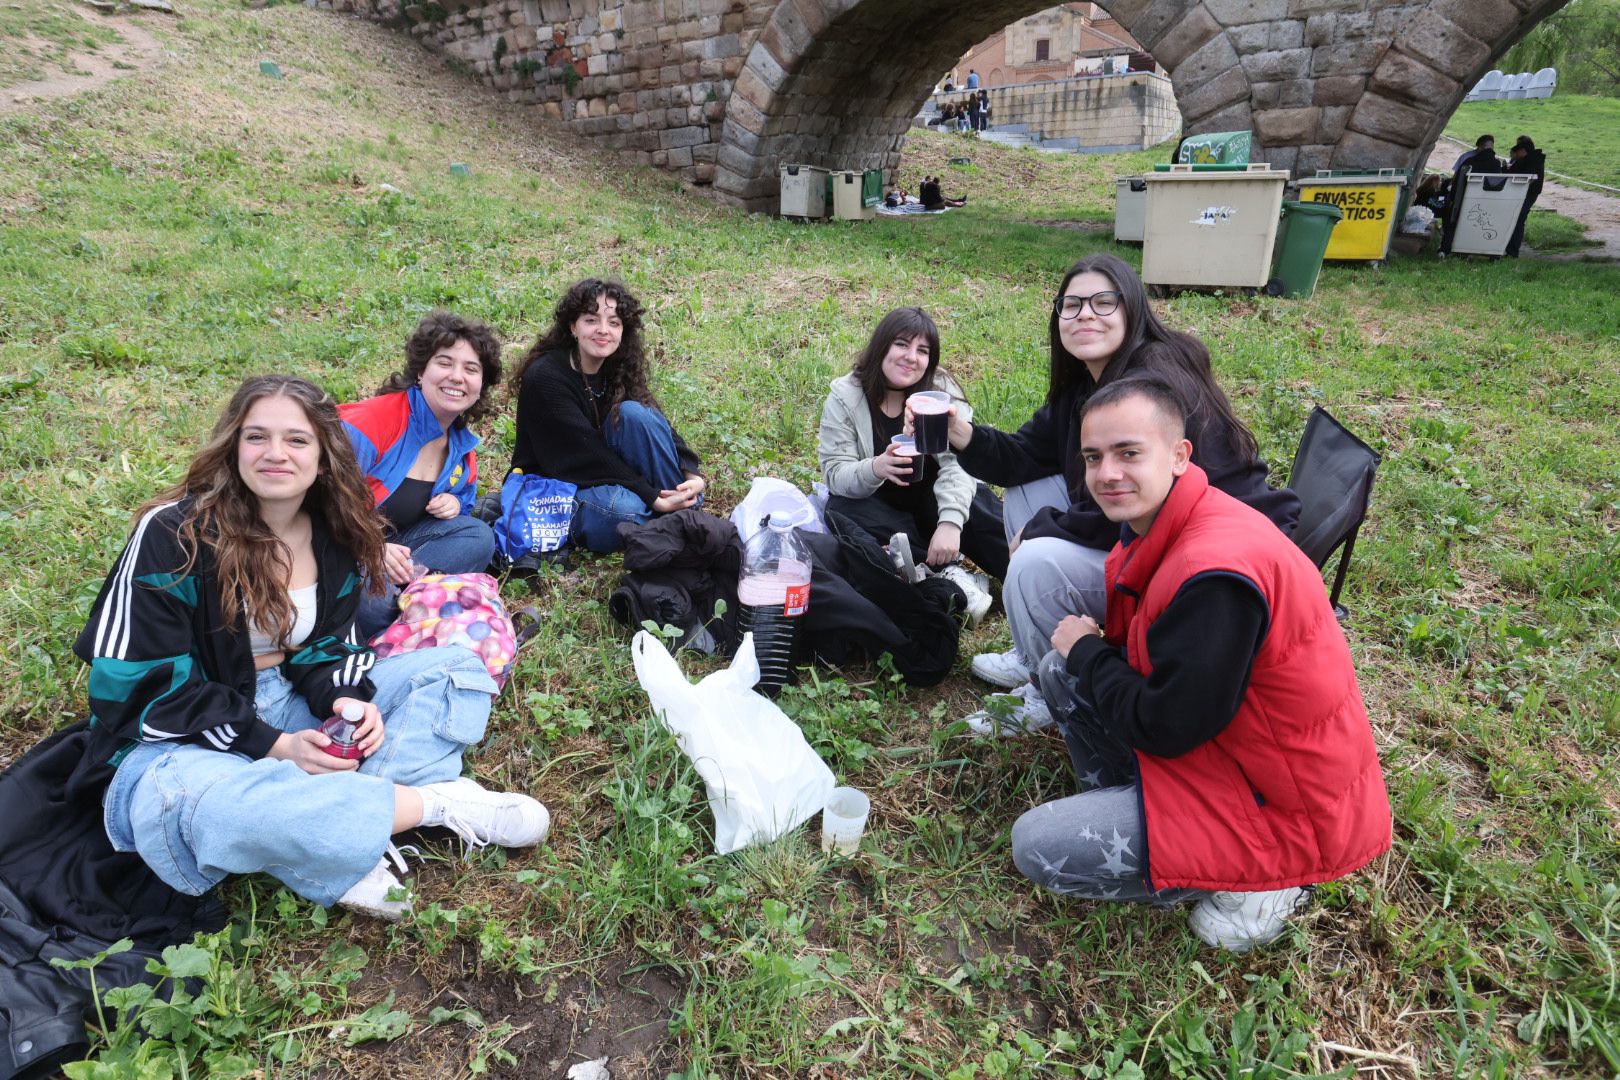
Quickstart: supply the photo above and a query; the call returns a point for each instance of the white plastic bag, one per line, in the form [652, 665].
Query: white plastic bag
[767, 495]
[762, 777]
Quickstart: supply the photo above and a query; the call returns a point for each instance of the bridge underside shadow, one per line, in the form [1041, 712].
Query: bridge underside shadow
[1322, 83]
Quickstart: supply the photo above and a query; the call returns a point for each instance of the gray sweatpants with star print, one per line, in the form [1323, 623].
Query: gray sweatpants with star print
[1089, 845]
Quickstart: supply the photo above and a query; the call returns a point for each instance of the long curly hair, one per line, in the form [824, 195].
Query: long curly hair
[254, 566]
[906, 322]
[1149, 345]
[440, 330]
[625, 372]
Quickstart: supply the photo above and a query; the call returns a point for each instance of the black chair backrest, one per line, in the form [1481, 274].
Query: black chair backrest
[1333, 477]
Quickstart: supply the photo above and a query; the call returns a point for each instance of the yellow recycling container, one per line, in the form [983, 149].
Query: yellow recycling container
[1369, 203]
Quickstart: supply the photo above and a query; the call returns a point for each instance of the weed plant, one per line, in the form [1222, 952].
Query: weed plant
[172, 233]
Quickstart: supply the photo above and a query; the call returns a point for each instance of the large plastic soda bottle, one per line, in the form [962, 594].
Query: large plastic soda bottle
[774, 591]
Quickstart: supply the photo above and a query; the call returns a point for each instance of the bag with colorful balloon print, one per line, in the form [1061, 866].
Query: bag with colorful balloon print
[453, 609]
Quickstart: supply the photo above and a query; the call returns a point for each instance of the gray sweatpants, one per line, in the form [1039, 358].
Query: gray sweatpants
[1047, 578]
[1092, 844]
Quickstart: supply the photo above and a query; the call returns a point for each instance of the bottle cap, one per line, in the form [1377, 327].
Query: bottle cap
[353, 712]
[781, 519]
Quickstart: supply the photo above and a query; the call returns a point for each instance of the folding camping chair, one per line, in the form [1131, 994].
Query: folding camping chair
[1333, 477]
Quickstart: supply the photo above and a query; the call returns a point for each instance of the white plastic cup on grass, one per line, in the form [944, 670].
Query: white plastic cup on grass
[843, 821]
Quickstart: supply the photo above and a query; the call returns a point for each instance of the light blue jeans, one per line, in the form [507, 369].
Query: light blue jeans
[458, 545]
[197, 815]
[647, 443]
[1047, 577]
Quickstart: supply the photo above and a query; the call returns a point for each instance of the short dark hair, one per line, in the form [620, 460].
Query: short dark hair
[1524, 142]
[1479, 143]
[1153, 389]
[440, 330]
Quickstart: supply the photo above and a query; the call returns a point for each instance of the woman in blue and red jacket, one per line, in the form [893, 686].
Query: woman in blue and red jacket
[414, 445]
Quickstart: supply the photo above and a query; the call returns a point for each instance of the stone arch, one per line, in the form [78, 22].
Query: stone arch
[1322, 83]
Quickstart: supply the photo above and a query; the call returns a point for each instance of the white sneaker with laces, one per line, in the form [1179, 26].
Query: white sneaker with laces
[976, 587]
[1006, 669]
[370, 895]
[481, 817]
[1027, 713]
[1240, 921]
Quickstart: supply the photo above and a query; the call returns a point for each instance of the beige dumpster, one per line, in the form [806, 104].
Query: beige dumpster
[804, 191]
[1211, 228]
[1130, 209]
[1487, 212]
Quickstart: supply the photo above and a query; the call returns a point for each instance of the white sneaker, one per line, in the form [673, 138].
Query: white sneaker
[1023, 711]
[1240, 921]
[482, 817]
[976, 587]
[371, 895]
[1006, 669]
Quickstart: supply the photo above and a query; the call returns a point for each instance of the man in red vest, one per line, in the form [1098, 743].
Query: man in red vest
[1215, 722]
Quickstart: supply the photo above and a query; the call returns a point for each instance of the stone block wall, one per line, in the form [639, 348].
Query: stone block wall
[647, 79]
[1100, 112]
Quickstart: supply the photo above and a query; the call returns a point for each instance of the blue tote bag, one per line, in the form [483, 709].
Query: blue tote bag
[535, 514]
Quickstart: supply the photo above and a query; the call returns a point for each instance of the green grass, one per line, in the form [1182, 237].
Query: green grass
[41, 36]
[1581, 135]
[165, 236]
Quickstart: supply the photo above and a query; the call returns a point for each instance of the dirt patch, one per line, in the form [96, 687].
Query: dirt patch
[619, 1010]
[81, 71]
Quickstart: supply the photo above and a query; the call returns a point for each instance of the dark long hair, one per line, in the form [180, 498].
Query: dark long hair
[906, 322]
[253, 565]
[440, 330]
[625, 372]
[1151, 346]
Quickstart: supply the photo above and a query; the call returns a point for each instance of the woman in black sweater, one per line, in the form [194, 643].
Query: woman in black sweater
[585, 415]
[1100, 327]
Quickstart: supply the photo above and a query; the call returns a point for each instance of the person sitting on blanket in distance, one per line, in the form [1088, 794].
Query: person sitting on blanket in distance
[1214, 723]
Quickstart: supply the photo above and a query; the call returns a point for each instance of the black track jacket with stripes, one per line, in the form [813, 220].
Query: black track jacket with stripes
[165, 667]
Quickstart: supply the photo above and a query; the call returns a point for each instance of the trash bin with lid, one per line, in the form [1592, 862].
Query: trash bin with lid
[1487, 212]
[1303, 237]
[1211, 228]
[1130, 209]
[804, 191]
[1371, 206]
[849, 196]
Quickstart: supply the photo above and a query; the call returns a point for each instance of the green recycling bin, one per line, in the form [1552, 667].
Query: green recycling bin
[1302, 240]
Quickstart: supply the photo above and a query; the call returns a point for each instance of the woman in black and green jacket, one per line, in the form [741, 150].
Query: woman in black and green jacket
[223, 641]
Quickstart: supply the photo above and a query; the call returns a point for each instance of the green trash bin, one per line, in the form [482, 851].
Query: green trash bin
[1302, 240]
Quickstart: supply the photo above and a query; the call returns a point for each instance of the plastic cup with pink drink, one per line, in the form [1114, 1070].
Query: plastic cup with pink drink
[905, 446]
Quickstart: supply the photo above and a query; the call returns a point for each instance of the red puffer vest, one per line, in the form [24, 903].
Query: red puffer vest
[1291, 792]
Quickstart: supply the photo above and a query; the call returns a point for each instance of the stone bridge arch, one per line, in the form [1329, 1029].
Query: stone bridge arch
[1322, 83]
[724, 91]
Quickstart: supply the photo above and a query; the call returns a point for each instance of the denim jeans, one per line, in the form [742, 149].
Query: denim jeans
[1093, 844]
[647, 443]
[459, 545]
[1047, 577]
[196, 815]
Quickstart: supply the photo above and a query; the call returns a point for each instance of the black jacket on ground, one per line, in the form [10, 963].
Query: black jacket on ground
[65, 893]
[558, 432]
[1049, 444]
[679, 564]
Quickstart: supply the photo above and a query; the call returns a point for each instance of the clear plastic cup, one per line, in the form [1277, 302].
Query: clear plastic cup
[843, 820]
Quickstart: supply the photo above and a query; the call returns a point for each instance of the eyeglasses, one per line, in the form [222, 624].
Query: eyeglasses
[1103, 303]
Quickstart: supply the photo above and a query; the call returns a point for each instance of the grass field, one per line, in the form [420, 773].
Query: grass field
[166, 236]
[1581, 135]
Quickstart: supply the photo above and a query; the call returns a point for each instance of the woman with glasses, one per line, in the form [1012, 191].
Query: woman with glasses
[1100, 328]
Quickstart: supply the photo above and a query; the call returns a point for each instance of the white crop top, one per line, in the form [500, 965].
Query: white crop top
[303, 601]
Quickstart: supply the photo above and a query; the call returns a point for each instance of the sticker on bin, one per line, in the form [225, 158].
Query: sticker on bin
[1214, 215]
[798, 598]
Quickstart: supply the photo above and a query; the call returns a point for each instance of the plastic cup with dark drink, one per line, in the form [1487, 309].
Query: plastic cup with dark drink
[905, 446]
[343, 730]
[931, 422]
